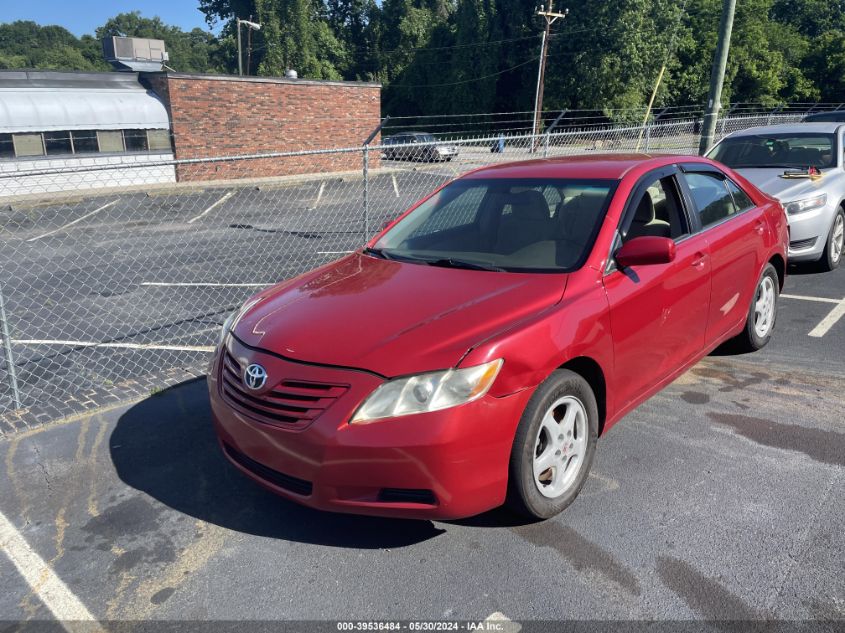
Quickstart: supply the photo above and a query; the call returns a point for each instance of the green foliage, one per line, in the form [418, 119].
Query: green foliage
[190, 52]
[454, 56]
[25, 44]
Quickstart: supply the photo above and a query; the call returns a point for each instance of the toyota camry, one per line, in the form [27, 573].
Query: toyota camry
[474, 351]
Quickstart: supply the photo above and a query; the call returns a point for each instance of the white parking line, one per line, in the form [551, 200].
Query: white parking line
[76, 221]
[225, 197]
[821, 299]
[141, 346]
[830, 320]
[55, 594]
[201, 284]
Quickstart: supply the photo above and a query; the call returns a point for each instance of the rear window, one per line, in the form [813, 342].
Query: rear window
[513, 224]
[777, 150]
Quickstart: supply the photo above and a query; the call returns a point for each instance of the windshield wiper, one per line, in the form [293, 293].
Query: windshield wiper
[764, 166]
[378, 252]
[451, 262]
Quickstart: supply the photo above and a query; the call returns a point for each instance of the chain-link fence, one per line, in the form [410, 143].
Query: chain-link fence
[114, 281]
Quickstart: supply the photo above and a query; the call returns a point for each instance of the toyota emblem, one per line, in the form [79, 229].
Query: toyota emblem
[255, 376]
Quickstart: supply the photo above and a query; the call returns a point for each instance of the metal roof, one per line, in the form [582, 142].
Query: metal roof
[43, 102]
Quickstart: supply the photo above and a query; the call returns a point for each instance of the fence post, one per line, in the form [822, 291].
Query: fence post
[725, 119]
[366, 165]
[366, 168]
[772, 113]
[548, 132]
[7, 352]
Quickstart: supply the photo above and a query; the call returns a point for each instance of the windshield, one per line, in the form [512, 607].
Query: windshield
[426, 138]
[799, 150]
[502, 224]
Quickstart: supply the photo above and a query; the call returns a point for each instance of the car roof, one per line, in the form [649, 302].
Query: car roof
[828, 127]
[597, 166]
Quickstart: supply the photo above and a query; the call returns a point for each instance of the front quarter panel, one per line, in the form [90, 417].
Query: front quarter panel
[578, 326]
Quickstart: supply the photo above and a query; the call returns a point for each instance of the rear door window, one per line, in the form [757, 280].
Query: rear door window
[713, 200]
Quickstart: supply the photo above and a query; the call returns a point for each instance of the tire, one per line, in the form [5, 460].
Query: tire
[832, 255]
[762, 313]
[565, 395]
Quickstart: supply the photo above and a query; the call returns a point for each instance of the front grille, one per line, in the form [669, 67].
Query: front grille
[287, 482]
[799, 244]
[290, 403]
[407, 495]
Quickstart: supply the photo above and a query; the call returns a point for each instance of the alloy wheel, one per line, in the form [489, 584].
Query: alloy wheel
[837, 238]
[560, 447]
[764, 307]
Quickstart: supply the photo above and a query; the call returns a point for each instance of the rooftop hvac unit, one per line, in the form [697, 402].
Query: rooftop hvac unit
[135, 53]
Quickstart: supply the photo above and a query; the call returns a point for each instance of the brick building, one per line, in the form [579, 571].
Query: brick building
[214, 116]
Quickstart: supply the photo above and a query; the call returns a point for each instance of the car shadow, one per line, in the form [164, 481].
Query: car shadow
[165, 447]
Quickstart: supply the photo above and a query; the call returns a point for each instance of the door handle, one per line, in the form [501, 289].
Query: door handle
[759, 226]
[700, 260]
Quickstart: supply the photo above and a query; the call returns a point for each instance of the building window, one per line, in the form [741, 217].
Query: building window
[135, 140]
[110, 141]
[85, 141]
[57, 143]
[7, 147]
[28, 144]
[158, 140]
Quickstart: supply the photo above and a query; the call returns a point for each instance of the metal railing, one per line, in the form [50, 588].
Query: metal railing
[112, 285]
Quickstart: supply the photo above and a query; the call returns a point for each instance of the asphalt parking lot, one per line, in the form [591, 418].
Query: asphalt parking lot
[721, 498]
[112, 294]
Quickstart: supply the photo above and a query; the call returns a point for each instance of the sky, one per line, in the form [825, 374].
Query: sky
[83, 16]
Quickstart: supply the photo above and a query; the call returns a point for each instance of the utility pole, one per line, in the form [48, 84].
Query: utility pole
[550, 17]
[717, 76]
[252, 26]
[240, 56]
[248, 48]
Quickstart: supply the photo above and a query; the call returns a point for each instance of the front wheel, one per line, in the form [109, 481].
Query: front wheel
[760, 321]
[554, 446]
[835, 242]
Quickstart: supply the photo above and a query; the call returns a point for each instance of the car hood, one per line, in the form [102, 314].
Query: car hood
[391, 317]
[784, 189]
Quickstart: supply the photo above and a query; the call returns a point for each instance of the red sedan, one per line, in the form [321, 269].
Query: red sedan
[475, 350]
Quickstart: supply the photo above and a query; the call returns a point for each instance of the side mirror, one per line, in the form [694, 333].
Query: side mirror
[642, 251]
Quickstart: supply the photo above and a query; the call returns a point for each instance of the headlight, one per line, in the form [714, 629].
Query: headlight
[428, 392]
[807, 204]
[232, 320]
[227, 325]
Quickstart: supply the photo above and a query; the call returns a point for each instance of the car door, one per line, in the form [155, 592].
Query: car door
[733, 228]
[658, 312]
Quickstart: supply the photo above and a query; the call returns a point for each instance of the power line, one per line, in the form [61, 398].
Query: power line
[468, 81]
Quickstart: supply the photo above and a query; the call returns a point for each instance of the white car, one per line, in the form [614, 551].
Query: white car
[803, 166]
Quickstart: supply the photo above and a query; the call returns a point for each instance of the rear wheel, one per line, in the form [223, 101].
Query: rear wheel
[554, 446]
[835, 243]
[762, 314]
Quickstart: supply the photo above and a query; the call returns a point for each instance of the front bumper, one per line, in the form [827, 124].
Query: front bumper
[808, 233]
[442, 465]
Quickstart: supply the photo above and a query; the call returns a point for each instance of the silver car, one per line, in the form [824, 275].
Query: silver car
[801, 165]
